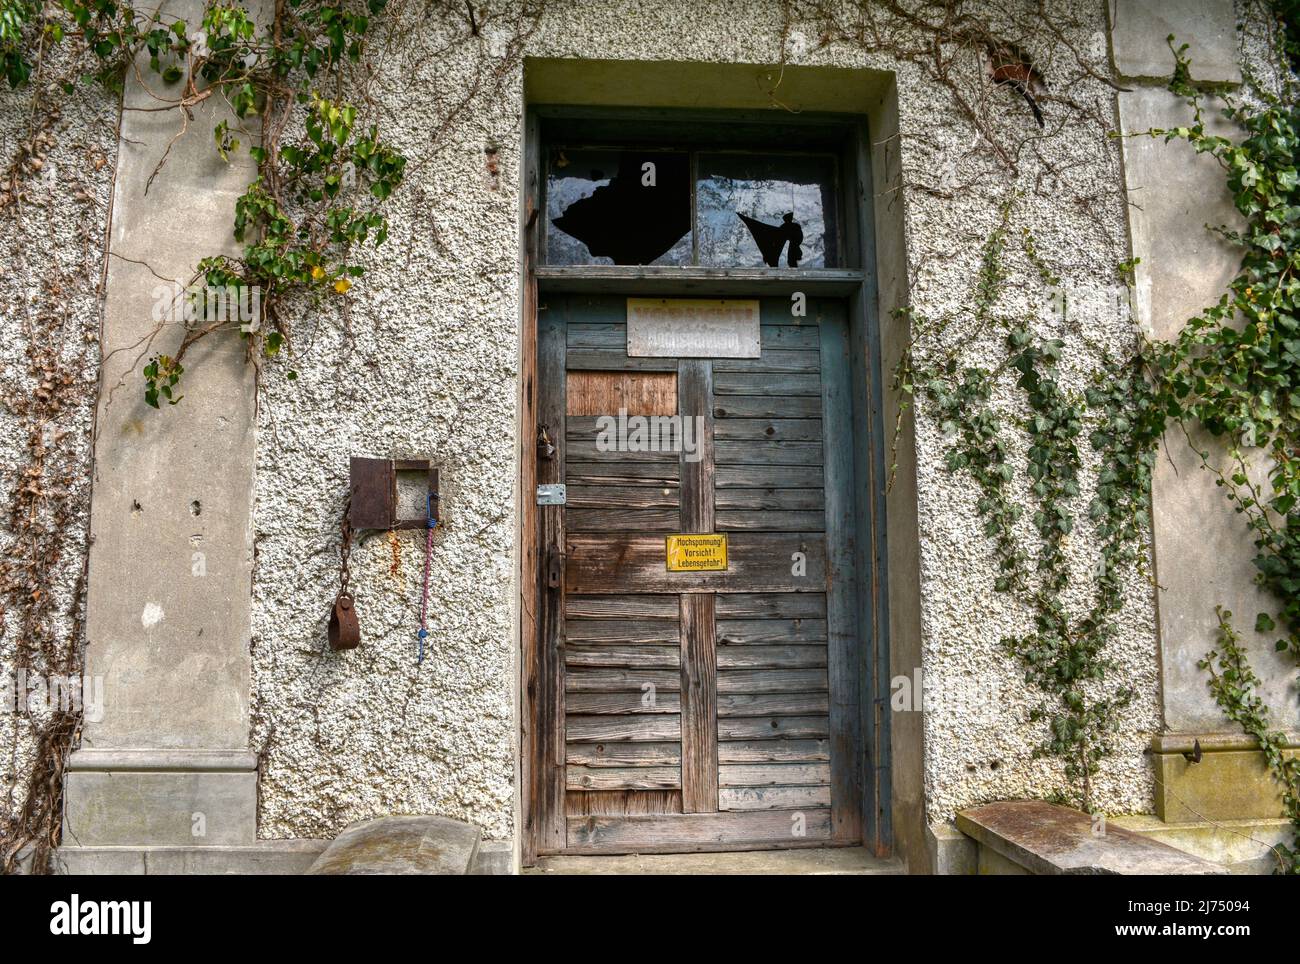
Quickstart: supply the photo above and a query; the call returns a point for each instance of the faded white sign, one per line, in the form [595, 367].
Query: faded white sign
[692, 328]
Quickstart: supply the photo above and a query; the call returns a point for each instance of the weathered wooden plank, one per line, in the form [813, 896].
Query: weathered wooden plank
[772, 681]
[642, 728]
[623, 802]
[625, 497]
[628, 657]
[757, 562]
[661, 474]
[731, 452]
[783, 500]
[585, 680]
[774, 774]
[768, 657]
[622, 778]
[771, 751]
[631, 520]
[769, 476]
[772, 605]
[790, 336]
[767, 406]
[699, 705]
[622, 632]
[694, 394]
[548, 696]
[630, 606]
[734, 830]
[761, 520]
[766, 632]
[617, 360]
[614, 336]
[770, 429]
[607, 336]
[589, 450]
[605, 392]
[639, 754]
[622, 704]
[770, 360]
[745, 383]
[773, 798]
[773, 704]
[842, 593]
[776, 728]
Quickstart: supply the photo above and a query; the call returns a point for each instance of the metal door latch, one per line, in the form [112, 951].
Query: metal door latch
[554, 570]
[551, 495]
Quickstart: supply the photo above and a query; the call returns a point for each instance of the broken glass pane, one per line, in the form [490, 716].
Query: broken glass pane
[618, 207]
[776, 210]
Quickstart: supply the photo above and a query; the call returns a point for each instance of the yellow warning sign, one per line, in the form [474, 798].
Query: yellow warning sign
[696, 553]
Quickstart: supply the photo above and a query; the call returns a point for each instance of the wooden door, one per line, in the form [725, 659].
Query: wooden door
[681, 711]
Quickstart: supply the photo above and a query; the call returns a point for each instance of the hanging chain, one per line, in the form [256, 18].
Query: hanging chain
[345, 548]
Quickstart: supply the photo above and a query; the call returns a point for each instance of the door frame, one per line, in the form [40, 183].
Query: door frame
[542, 804]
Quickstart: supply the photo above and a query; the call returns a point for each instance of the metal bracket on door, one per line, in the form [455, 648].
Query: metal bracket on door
[551, 495]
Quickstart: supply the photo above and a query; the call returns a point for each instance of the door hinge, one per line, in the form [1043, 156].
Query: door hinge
[551, 495]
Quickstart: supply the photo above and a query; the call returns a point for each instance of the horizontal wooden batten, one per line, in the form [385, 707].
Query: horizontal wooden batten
[624, 473]
[767, 632]
[586, 449]
[759, 727]
[732, 681]
[622, 778]
[644, 728]
[629, 657]
[769, 429]
[779, 500]
[771, 605]
[629, 520]
[771, 657]
[756, 562]
[587, 680]
[773, 704]
[745, 520]
[622, 497]
[773, 751]
[622, 802]
[732, 452]
[631, 606]
[617, 754]
[767, 406]
[773, 774]
[616, 360]
[773, 798]
[671, 833]
[621, 704]
[740, 383]
[675, 281]
[769, 476]
[772, 360]
[613, 336]
[622, 632]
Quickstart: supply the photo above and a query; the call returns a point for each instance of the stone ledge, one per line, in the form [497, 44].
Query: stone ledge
[1047, 839]
[266, 857]
[163, 760]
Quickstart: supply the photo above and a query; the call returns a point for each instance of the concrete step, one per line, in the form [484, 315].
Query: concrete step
[830, 860]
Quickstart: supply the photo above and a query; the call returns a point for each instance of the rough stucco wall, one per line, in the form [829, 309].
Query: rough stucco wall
[428, 367]
[51, 260]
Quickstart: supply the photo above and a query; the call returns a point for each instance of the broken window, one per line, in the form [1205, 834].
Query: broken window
[618, 207]
[720, 209]
[776, 210]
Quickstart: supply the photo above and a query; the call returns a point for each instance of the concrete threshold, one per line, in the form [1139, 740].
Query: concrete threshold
[832, 860]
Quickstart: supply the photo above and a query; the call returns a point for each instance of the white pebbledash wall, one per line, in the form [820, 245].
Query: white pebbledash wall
[427, 366]
[421, 360]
